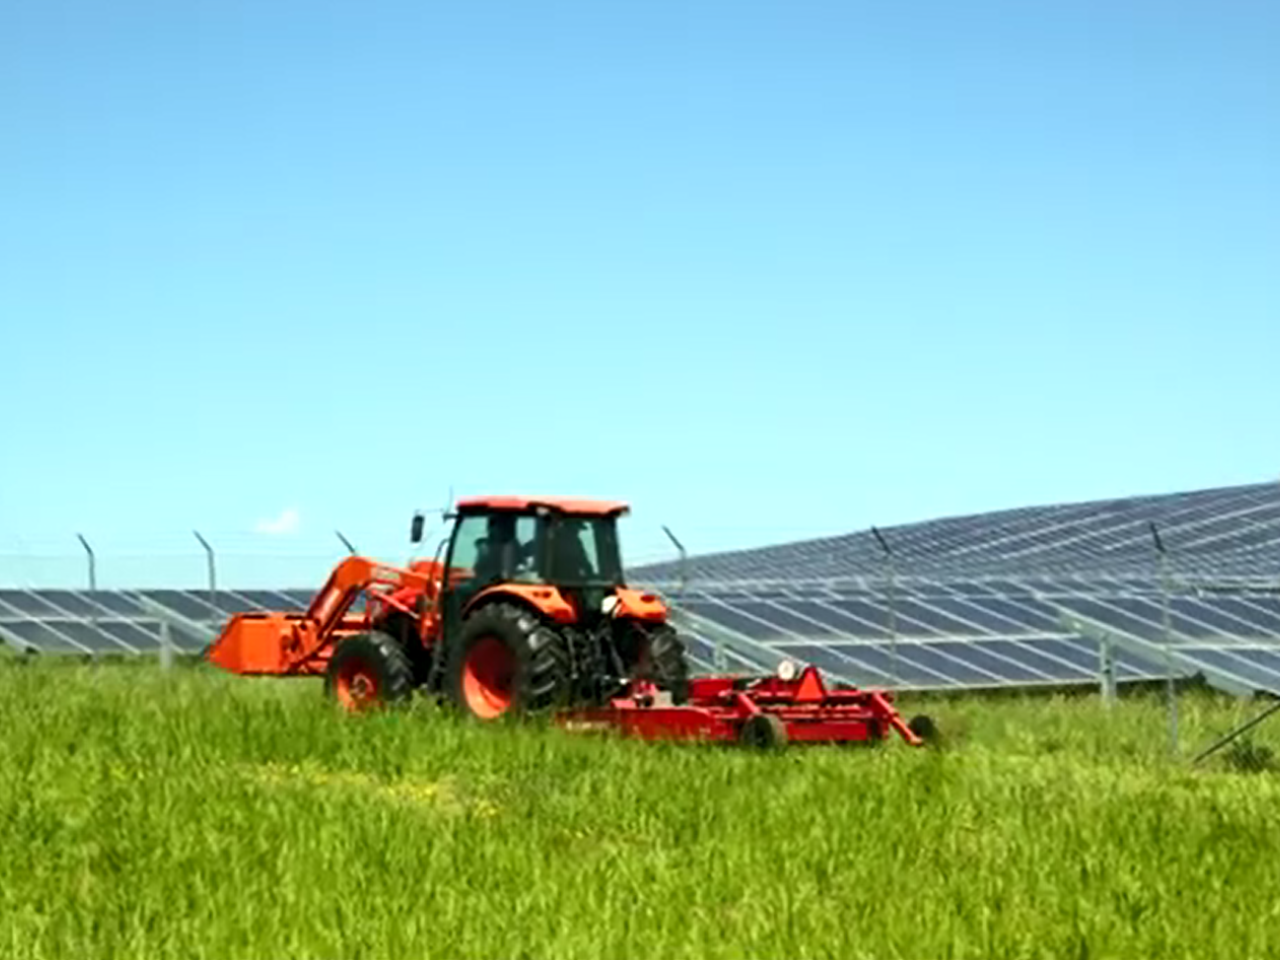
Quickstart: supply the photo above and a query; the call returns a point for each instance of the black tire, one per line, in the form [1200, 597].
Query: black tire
[923, 727]
[537, 676]
[404, 631]
[664, 662]
[368, 660]
[764, 731]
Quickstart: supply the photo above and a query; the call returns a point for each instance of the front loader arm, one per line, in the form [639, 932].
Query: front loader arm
[289, 642]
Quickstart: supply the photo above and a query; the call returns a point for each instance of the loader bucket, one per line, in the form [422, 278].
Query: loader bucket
[256, 642]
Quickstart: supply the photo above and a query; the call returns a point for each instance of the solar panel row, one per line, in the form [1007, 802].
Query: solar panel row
[996, 641]
[926, 641]
[106, 622]
[1233, 530]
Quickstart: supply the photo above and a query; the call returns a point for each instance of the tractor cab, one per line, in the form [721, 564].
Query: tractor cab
[570, 546]
[533, 600]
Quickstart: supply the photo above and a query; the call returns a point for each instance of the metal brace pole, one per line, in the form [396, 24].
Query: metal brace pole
[346, 543]
[720, 661]
[93, 562]
[891, 591]
[1243, 728]
[684, 559]
[166, 646]
[1107, 671]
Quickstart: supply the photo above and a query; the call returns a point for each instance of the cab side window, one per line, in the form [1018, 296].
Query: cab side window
[467, 545]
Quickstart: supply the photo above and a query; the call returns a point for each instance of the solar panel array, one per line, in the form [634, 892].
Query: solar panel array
[1017, 598]
[964, 635]
[1232, 531]
[127, 622]
[1024, 598]
[926, 636]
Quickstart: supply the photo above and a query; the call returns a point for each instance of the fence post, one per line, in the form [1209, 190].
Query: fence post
[213, 569]
[891, 591]
[1166, 627]
[93, 563]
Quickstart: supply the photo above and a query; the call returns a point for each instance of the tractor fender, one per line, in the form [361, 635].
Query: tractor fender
[639, 605]
[546, 601]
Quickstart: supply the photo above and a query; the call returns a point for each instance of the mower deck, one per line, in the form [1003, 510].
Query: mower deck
[765, 712]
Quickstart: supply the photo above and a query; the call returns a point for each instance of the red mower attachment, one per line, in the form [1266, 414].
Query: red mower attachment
[766, 712]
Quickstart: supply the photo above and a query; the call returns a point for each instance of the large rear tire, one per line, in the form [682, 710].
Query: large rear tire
[663, 662]
[506, 661]
[367, 671]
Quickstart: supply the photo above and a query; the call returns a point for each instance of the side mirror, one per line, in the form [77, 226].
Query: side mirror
[415, 528]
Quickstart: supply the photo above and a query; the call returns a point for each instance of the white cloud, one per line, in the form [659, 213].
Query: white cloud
[287, 522]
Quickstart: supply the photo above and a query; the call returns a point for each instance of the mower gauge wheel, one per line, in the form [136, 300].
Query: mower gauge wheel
[923, 727]
[764, 731]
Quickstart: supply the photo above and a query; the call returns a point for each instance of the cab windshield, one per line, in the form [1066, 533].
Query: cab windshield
[530, 548]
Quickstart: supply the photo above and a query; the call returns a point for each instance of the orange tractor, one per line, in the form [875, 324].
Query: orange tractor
[528, 610]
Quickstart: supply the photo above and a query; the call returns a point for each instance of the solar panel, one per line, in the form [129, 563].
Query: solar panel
[837, 621]
[995, 616]
[272, 600]
[1266, 657]
[931, 616]
[68, 602]
[839, 663]
[1006, 669]
[907, 669]
[865, 619]
[785, 619]
[185, 604]
[27, 604]
[1042, 660]
[958, 641]
[143, 636]
[301, 598]
[37, 636]
[1225, 663]
[89, 637]
[226, 602]
[121, 603]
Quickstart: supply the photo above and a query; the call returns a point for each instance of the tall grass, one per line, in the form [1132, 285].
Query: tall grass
[193, 814]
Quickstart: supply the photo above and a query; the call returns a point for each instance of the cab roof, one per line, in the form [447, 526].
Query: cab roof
[568, 505]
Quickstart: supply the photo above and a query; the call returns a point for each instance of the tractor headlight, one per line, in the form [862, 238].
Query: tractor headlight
[788, 670]
[608, 605]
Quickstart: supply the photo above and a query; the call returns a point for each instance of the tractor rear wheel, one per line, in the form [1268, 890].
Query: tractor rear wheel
[663, 662]
[505, 660]
[367, 671]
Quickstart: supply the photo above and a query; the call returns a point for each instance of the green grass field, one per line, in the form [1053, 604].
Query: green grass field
[192, 814]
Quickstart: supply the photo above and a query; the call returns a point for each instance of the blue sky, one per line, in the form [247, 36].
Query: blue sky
[768, 270]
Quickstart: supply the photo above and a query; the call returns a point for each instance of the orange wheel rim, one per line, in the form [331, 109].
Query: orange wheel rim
[487, 676]
[356, 686]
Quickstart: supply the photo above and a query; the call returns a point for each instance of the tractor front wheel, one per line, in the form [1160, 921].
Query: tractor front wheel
[506, 660]
[367, 671]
